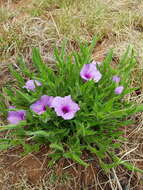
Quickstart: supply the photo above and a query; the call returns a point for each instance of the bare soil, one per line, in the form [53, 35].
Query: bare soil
[33, 168]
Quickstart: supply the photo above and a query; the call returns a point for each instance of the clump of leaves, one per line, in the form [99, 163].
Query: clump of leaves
[95, 127]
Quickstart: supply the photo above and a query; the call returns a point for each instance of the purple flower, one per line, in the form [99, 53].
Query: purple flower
[65, 107]
[31, 84]
[40, 106]
[119, 90]
[89, 72]
[116, 79]
[96, 62]
[14, 117]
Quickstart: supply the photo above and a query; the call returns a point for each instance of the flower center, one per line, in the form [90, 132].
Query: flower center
[65, 109]
[44, 108]
[87, 75]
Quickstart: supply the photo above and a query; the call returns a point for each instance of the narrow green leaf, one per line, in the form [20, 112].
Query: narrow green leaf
[76, 158]
[17, 75]
[57, 146]
[12, 126]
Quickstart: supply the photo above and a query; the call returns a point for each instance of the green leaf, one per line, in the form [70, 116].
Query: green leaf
[24, 67]
[55, 156]
[106, 63]
[16, 74]
[107, 167]
[93, 43]
[76, 158]
[38, 133]
[4, 146]
[84, 131]
[57, 146]
[28, 148]
[139, 108]
[12, 126]
[36, 58]
[24, 96]
[126, 164]
[95, 151]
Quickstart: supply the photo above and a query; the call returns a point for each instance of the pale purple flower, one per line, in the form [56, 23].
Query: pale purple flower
[11, 107]
[14, 117]
[31, 84]
[90, 72]
[96, 62]
[40, 106]
[65, 107]
[119, 90]
[116, 79]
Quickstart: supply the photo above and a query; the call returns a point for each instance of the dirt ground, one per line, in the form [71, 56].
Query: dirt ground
[31, 172]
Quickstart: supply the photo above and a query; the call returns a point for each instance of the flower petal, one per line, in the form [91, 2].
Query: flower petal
[119, 90]
[68, 116]
[31, 84]
[38, 107]
[96, 62]
[90, 72]
[116, 79]
[65, 107]
[14, 117]
[22, 114]
[97, 76]
[57, 101]
[47, 100]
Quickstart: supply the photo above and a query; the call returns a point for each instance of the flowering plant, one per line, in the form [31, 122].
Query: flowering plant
[79, 105]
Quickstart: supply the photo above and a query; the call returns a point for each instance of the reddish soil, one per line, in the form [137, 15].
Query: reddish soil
[33, 168]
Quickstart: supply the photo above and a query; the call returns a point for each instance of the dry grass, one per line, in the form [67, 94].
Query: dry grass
[45, 23]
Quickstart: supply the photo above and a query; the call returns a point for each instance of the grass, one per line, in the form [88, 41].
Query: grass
[45, 23]
[74, 20]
